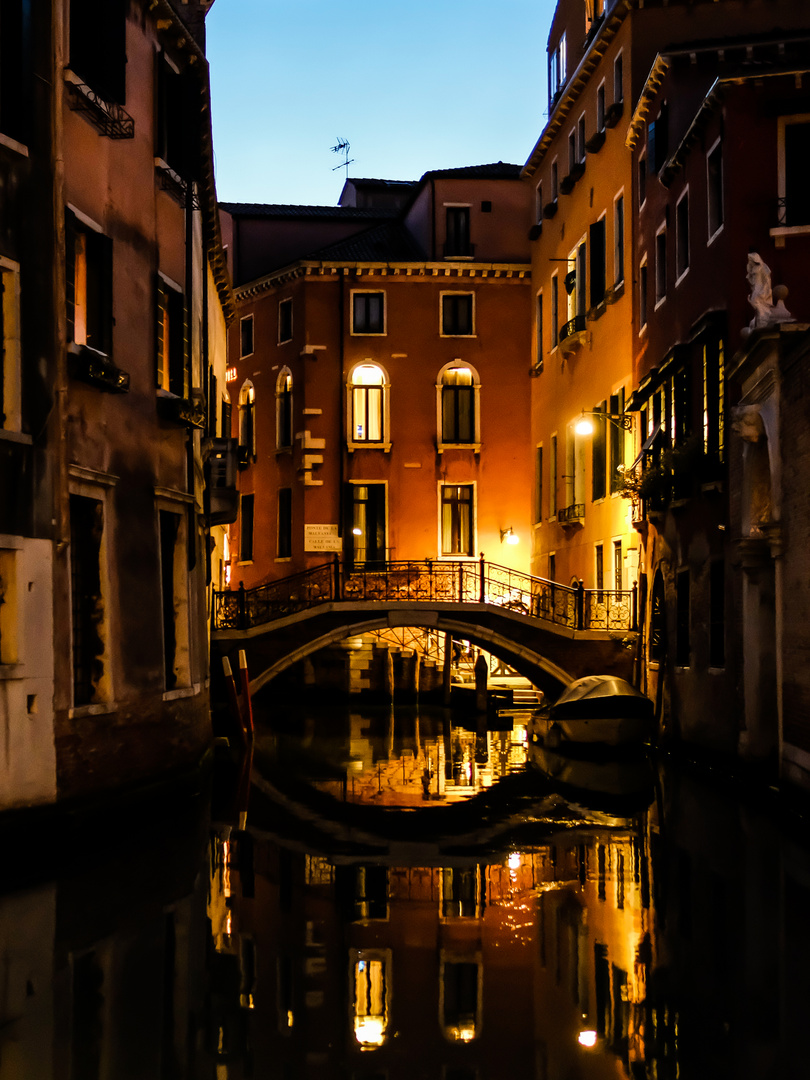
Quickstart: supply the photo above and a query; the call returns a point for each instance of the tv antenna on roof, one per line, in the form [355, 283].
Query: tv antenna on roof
[342, 147]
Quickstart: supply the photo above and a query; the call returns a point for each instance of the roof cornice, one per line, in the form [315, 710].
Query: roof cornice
[312, 268]
[166, 18]
[578, 81]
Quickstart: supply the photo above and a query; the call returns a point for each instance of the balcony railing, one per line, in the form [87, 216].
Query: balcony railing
[573, 326]
[572, 514]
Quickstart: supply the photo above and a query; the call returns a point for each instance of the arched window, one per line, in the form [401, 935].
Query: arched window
[458, 411]
[247, 422]
[368, 405]
[284, 386]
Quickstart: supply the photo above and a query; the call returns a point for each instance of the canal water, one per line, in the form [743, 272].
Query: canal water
[393, 894]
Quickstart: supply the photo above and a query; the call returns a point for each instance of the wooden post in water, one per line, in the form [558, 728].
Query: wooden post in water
[448, 656]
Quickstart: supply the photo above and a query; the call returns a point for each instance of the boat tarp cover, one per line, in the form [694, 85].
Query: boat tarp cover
[602, 696]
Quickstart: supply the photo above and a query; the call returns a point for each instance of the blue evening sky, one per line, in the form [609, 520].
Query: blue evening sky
[414, 85]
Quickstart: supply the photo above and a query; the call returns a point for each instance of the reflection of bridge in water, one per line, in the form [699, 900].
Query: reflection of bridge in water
[550, 633]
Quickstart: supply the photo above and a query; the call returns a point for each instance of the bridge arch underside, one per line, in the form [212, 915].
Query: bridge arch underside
[549, 656]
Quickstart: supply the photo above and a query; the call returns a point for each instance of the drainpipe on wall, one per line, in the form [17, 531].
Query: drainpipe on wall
[342, 500]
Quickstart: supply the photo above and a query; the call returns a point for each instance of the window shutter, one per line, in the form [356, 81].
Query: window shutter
[185, 314]
[70, 273]
[597, 236]
[105, 248]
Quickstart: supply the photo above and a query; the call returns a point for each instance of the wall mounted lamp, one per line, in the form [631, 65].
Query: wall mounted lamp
[584, 426]
[510, 536]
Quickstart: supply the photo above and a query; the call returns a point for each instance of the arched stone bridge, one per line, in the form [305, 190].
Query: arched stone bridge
[550, 633]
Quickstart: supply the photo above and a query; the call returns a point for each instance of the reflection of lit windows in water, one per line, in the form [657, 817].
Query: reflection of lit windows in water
[370, 1001]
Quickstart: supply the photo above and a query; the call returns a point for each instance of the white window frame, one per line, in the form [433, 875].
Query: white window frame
[179, 504]
[440, 484]
[582, 135]
[538, 203]
[618, 58]
[712, 236]
[284, 341]
[642, 157]
[553, 475]
[282, 375]
[555, 311]
[92, 484]
[600, 121]
[368, 333]
[538, 330]
[661, 298]
[457, 292]
[352, 443]
[476, 387]
[242, 321]
[679, 277]
[781, 231]
[644, 305]
[616, 279]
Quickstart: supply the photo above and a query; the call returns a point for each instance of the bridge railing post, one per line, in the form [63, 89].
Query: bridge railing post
[482, 591]
[336, 577]
[241, 607]
[581, 605]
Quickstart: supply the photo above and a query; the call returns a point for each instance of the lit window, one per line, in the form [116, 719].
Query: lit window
[367, 396]
[368, 313]
[284, 387]
[247, 423]
[370, 979]
[457, 314]
[457, 519]
[457, 388]
[172, 374]
[89, 286]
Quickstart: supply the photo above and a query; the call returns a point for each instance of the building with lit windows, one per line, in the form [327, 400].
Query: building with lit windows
[380, 376]
[716, 517]
[639, 296]
[115, 296]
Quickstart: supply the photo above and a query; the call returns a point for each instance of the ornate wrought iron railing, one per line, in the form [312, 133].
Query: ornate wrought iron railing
[466, 582]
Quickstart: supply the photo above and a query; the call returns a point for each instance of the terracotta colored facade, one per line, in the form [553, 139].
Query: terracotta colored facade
[388, 372]
[691, 153]
[115, 294]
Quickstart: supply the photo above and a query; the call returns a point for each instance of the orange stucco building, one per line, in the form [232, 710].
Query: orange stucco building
[380, 375]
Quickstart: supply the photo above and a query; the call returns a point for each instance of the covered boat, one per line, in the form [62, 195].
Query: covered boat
[601, 709]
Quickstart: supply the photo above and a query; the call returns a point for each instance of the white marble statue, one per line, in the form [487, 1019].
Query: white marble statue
[768, 304]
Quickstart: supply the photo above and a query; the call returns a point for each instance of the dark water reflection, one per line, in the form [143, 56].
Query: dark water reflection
[455, 914]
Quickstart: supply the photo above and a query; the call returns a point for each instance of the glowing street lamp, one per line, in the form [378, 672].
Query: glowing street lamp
[584, 426]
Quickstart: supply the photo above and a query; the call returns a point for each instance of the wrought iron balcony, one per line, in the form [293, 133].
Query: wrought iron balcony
[571, 515]
[107, 116]
[573, 326]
